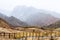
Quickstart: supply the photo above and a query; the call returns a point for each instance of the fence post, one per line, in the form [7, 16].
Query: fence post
[9, 35]
[39, 36]
[26, 36]
[14, 36]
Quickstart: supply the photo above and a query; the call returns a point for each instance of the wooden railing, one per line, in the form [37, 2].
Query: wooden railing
[29, 36]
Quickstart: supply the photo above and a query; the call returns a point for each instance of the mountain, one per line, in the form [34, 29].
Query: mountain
[33, 16]
[41, 19]
[54, 25]
[23, 12]
[14, 22]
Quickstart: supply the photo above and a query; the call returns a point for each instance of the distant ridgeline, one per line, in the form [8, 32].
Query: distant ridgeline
[54, 25]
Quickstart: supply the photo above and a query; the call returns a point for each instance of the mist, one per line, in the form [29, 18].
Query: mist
[26, 8]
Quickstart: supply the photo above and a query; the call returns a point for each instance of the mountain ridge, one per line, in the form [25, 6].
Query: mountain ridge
[34, 16]
[14, 22]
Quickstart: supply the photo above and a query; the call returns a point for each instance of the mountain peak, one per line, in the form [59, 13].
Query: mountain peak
[34, 16]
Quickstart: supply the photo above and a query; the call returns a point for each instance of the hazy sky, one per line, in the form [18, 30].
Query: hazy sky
[53, 5]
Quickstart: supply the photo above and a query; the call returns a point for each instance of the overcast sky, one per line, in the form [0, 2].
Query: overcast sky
[52, 5]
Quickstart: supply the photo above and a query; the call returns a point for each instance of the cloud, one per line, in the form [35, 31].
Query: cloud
[52, 5]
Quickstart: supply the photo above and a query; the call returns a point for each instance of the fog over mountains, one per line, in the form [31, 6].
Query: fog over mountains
[33, 16]
[25, 12]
